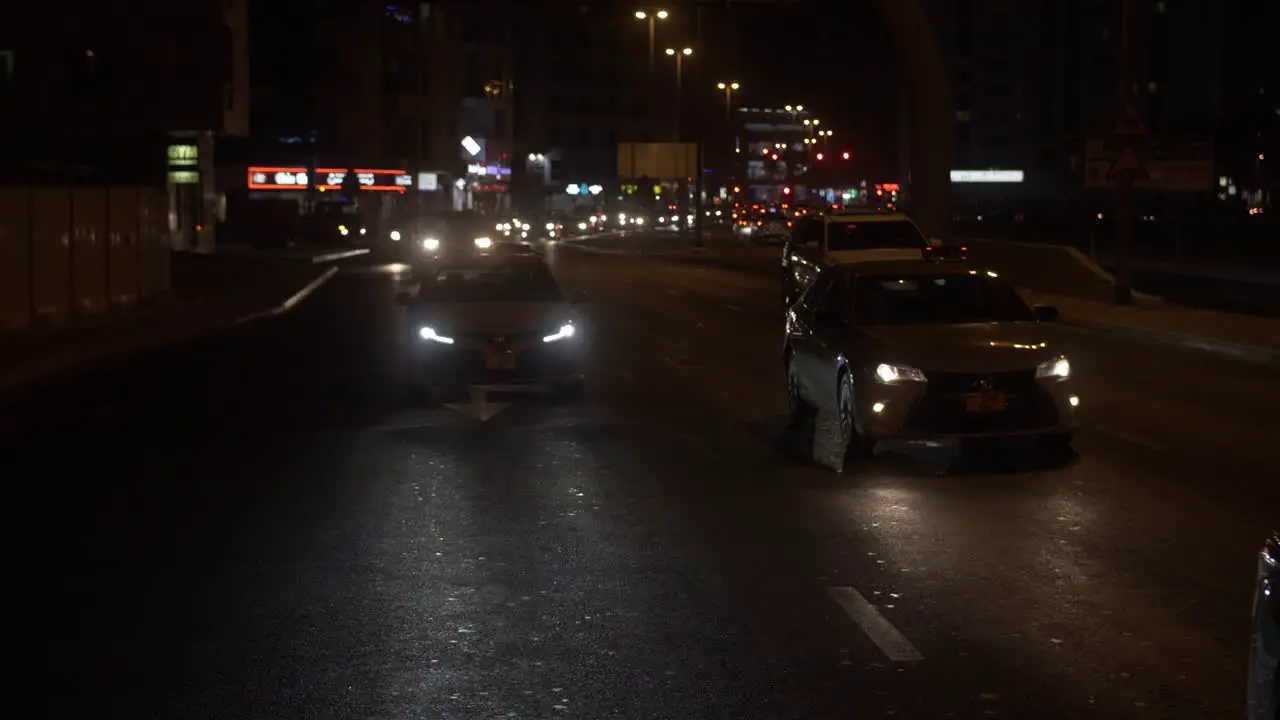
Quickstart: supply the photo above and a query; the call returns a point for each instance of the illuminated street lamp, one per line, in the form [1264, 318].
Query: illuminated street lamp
[679, 55]
[729, 89]
[653, 17]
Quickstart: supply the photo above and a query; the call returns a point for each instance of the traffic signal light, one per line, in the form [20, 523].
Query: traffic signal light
[844, 155]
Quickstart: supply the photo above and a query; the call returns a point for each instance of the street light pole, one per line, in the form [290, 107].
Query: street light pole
[652, 17]
[679, 55]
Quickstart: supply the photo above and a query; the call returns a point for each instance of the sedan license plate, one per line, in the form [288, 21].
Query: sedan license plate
[500, 360]
[984, 402]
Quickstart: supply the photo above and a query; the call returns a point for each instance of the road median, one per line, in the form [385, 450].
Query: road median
[210, 294]
[1245, 338]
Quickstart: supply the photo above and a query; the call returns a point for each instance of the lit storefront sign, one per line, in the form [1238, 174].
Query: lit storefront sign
[987, 176]
[183, 164]
[295, 178]
[487, 170]
[497, 187]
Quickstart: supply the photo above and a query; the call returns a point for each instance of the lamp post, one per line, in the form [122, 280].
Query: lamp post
[729, 89]
[679, 55]
[653, 16]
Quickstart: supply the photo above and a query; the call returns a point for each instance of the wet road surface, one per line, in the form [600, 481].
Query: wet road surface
[266, 525]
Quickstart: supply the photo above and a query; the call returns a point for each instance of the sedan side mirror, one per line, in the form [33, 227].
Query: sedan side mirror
[1045, 313]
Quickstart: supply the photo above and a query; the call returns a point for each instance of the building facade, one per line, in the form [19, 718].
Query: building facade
[93, 94]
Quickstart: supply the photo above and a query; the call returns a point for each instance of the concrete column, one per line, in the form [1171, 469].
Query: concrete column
[931, 113]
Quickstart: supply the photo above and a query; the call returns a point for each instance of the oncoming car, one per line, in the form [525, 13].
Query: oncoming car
[924, 350]
[498, 320]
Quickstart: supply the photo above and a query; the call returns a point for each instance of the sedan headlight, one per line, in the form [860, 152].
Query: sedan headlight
[1057, 368]
[895, 374]
[566, 330]
[427, 333]
[430, 244]
[395, 236]
[550, 226]
[484, 243]
[583, 226]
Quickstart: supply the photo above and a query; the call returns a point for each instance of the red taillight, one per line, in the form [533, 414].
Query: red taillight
[964, 248]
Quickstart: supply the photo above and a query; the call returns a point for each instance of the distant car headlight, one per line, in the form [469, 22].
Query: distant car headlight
[484, 243]
[342, 229]
[430, 334]
[550, 226]
[364, 231]
[566, 330]
[894, 374]
[395, 236]
[430, 244]
[498, 227]
[582, 225]
[639, 221]
[1058, 368]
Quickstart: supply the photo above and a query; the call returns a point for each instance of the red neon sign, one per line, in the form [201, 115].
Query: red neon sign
[295, 178]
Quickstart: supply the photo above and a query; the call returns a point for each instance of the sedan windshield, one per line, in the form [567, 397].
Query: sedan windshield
[871, 235]
[936, 300]
[490, 284]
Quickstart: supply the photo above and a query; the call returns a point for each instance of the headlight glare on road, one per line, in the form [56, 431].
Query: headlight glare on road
[1057, 368]
[566, 330]
[484, 243]
[430, 244]
[427, 333]
[894, 374]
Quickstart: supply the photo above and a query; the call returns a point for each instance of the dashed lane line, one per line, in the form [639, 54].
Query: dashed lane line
[892, 643]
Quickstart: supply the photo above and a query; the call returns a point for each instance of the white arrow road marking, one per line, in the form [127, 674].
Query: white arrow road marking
[479, 408]
[892, 643]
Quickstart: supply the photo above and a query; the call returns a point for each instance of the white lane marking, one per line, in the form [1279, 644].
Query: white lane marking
[892, 643]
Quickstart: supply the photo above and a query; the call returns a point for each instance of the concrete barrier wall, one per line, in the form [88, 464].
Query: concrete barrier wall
[1051, 269]
[70, 253]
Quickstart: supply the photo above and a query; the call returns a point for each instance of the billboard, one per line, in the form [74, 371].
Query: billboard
[658, 161]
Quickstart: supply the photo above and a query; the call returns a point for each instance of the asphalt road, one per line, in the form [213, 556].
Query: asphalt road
[265, 525]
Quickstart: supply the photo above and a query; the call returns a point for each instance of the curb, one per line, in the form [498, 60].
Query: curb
[341, 255]
[1252, 354]
[29, 375]
[293, 300]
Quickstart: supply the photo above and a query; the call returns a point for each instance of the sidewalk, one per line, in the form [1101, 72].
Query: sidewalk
[210, 293]
[1247, 338]
[312, 253]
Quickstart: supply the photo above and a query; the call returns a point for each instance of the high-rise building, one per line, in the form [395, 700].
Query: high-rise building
[1031, 81]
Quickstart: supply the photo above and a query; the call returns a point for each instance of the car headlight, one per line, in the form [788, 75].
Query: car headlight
[894, 374]
[582, 225]
[430, 244]
[342, 229]
[566, 330]
[484, 243]
[395, 236]
[1058, 368]
[427, 333]
[550, 226]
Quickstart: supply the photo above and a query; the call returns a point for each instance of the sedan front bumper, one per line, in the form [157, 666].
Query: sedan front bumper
[514, 360]
[964, 405]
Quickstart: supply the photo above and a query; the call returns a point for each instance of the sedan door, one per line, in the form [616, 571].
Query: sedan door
[815, 342]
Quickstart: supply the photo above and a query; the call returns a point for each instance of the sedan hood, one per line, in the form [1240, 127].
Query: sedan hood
[498, 318]
[965, 348]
